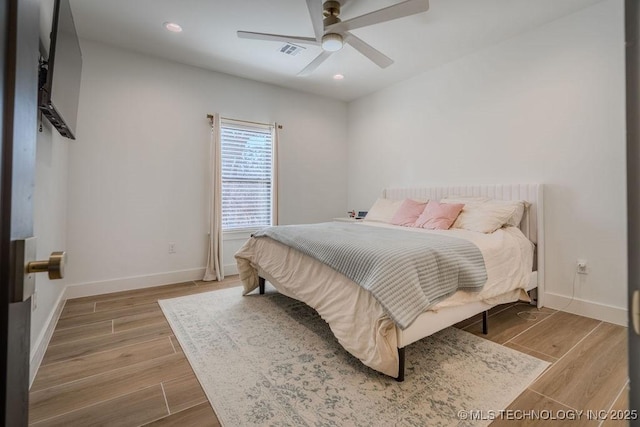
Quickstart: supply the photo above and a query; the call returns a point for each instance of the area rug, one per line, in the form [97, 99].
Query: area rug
[269, 360]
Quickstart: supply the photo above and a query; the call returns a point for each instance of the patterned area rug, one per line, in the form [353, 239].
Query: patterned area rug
[269, 360]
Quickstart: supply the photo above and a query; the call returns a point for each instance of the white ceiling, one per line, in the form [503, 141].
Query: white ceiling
[449, 30]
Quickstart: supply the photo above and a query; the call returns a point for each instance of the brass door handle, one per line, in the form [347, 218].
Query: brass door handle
[54, 266]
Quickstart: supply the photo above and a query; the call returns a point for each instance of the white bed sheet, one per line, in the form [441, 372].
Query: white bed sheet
[354, 316]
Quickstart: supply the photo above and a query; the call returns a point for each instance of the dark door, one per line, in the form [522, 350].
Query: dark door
[632, 27]
[18, 98]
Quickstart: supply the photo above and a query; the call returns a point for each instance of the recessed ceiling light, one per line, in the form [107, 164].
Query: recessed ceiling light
[338, 77]
[173, 27]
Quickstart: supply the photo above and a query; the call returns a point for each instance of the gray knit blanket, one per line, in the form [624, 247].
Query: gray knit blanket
[407, 272]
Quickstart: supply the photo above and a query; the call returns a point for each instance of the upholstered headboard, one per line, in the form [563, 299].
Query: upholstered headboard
[532, 224]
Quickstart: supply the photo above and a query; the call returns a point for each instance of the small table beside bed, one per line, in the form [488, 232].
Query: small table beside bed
[382, 286]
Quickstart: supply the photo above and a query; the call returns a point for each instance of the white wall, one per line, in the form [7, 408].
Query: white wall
[547, 106]
[50, 210]
[49, 221]
[138, 171]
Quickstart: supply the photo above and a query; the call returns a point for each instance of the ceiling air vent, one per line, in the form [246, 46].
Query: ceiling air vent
[291, 49]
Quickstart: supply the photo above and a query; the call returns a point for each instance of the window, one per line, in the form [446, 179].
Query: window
[247, 175]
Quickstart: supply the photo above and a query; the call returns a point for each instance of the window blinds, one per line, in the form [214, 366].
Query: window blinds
[247, 169]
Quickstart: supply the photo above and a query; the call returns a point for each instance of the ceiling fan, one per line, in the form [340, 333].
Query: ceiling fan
[331, 33]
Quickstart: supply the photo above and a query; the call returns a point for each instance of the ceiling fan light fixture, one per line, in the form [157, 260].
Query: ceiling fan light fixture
[332, 42]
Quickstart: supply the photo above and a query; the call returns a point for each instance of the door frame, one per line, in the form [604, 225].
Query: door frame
[632, 32]
[4, 292]
[19, 41]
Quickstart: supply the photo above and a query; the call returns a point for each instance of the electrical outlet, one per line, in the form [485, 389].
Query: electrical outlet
[581, 266]
[34, 301]
[172, 248]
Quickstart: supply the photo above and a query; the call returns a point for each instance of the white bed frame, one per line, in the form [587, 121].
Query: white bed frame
[532, 226]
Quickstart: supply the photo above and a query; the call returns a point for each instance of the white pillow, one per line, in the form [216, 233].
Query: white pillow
[383, 210]
[516, 218]
[487, 215]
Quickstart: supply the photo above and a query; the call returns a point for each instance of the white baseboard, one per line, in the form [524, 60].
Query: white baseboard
[42, 342]
[131, 283]
[606, 313]
[230, 269]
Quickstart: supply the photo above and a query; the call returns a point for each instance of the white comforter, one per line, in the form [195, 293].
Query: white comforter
[354, 316]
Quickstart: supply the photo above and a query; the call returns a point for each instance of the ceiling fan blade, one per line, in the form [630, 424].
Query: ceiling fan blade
[277, 38]
[380, 59]
[400, 10]
[315, 11]
[315, 63]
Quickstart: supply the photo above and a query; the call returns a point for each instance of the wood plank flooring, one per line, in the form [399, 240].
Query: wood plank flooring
[113, 361]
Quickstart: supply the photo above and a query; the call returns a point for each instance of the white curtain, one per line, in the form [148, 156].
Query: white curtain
[274, 179]
[215, 266]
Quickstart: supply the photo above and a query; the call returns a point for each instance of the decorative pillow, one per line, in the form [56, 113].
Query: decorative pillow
[408, 213]
[438, 216]
[383, 210]
[487, 215]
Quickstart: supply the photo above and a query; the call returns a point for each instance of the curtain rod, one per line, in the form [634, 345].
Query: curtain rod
[210, 117]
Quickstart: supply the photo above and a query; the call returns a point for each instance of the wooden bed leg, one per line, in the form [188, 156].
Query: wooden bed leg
[400, 377]
[261, 284]
[485, 322]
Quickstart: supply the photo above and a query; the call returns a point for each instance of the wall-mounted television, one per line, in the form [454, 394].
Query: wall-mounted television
[60, 73]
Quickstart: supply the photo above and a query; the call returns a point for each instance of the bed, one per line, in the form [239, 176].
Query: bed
[359, 321]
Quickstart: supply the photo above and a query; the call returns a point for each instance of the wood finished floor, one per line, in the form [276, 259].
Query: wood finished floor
[113, 361]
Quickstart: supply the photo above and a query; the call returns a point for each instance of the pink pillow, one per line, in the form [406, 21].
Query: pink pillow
[408, 212]
[439, 216]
